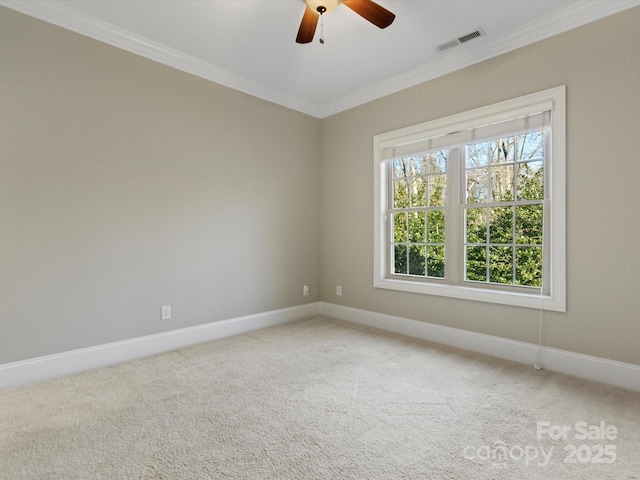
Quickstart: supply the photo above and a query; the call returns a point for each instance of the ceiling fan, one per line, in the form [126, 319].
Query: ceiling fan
[367, 9]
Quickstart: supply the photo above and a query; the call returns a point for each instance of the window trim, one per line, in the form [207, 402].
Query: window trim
[554, 296]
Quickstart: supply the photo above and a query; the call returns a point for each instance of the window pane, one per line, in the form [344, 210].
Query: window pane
[437, 190]
[418, 191]
[400, 259]
[417, 260]
[417, 227]
[400, 227]
[476, 267]
[418, 165]
[435, 226]
[438, 162]
[502, 179]
[502, 150]
[531, 146]
[501, 265]
[400, 194]
[501, 225]
[529, 224]
[476, 225]
[477, 185]
[477, 155]
[435, 261]
[531, 181]
[529, 266]
[400, 168]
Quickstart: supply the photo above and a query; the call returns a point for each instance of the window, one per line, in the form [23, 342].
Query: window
[473, 205]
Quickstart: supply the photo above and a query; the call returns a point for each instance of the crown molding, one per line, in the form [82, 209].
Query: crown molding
[483, 49]
[571, 17]
[70, 19]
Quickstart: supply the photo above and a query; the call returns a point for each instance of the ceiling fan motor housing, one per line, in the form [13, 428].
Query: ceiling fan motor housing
[322, 6]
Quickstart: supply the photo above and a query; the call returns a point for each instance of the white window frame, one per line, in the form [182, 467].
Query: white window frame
[552, 296]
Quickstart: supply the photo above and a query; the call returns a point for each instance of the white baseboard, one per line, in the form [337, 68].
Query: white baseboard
[66, 363]
[601, 370]
[51, 366]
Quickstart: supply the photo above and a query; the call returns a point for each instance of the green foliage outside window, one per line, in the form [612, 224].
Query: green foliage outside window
[418, 235]
[504, 241]
[503, 212]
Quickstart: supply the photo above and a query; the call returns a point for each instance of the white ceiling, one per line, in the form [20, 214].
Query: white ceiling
[250, 45]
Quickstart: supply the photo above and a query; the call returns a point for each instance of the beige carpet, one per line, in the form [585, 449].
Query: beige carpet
[319, 399]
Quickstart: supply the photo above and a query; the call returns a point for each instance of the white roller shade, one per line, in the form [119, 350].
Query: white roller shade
[531, 118]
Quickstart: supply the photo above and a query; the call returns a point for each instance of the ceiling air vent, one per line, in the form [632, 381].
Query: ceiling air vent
[479, 32]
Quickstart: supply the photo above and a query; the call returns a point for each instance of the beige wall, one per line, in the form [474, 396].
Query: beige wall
[126, 185]
[600, 65]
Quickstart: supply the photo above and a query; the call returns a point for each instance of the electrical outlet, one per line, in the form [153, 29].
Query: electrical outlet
[305, 290]
[339, 290]
[166, 312]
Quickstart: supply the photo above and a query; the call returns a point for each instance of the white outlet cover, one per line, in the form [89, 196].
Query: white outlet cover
[166, 312]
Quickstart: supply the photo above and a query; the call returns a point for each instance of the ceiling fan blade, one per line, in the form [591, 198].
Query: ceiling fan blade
[369, 10]
[307, 26]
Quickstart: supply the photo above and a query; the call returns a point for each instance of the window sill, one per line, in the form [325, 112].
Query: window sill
[518, 299]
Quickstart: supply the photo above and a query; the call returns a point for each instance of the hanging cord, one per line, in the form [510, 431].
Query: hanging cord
[538, 364]
[321, 11]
